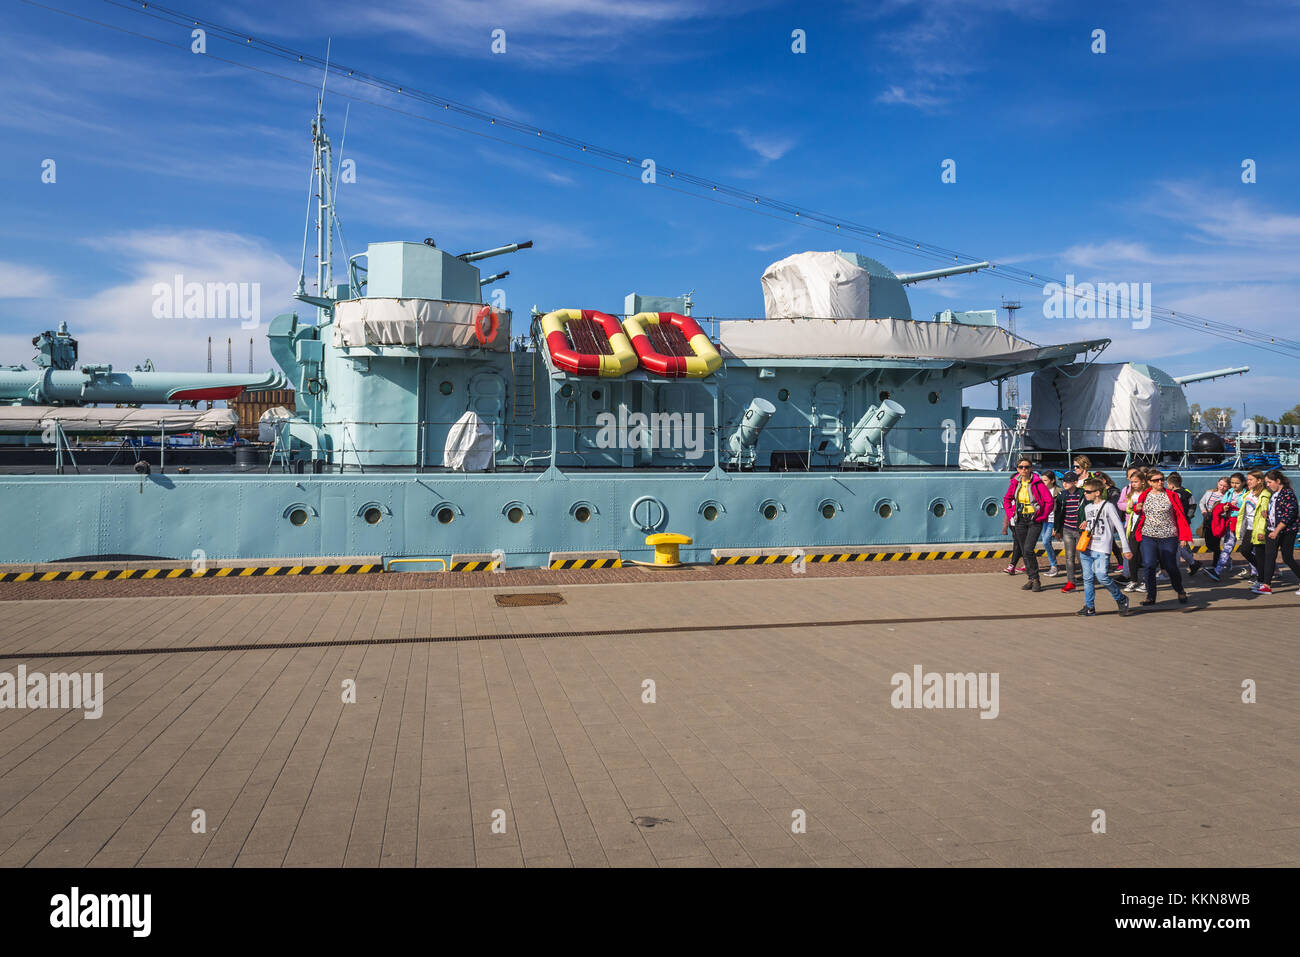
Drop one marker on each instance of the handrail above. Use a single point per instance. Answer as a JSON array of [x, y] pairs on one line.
[[390, 562]]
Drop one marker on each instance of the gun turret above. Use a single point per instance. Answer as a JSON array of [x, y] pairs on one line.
[[907, 278]]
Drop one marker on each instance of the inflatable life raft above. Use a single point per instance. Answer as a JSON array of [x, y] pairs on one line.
[[671, 345], [587, 342]]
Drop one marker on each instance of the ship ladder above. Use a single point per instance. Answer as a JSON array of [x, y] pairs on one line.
[[523, 399]]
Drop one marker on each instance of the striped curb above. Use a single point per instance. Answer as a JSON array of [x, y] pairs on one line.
[[123, 574]]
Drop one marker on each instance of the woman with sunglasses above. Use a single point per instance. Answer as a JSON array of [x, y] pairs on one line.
[[1161, 526], [1026, 506]]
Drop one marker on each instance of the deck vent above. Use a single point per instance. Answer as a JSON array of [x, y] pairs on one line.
[[529, 599]]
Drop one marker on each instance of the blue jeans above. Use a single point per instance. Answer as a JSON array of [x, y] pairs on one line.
[[1228, 543], [1094, 566], [1045, 540]]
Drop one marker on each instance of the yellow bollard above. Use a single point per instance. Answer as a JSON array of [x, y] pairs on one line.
[[666, 545]]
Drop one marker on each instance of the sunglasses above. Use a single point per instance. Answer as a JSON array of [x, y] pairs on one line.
[[1019, 467]]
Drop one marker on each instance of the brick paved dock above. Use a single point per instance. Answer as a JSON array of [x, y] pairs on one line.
[[772, 696]]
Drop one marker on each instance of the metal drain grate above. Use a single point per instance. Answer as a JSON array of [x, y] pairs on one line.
[[525, 599]]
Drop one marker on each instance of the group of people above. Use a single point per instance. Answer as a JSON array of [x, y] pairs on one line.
[[1147, 527]]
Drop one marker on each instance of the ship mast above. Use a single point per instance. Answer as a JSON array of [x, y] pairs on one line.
[[322, 183]]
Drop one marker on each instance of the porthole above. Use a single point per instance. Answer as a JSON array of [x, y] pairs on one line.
[[783, 395], [595, 395], [710, 509], [991, 508], [939, 508], [769, 511], [828, 510], [445, 387], [934, 398], [298, 516], [886, 508], [373, 516], [566, 391], [515, 512], [446, 516], [582, 513]]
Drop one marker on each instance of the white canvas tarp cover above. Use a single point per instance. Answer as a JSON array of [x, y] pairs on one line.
[[469, 444], [816, 284], [414, 322], [1104, 406], [88, 421], [268, 426], [882, 338], [986, 445]]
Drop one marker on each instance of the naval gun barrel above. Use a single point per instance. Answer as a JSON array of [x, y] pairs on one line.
[[491, 279], [498, 251], [1216, 374], [910, 277], [101, 384]]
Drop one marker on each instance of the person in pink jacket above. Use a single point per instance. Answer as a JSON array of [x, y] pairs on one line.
[[1026, 506]]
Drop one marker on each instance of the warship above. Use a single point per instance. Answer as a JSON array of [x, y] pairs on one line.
[[432, 425]]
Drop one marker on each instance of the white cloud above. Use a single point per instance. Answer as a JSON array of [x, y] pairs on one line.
[[24, 282], [934, 44], [116, 324], [769, 146], [913, 97], [553, 32]]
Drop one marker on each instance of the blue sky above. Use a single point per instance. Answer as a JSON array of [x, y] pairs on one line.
[[1118, 167]]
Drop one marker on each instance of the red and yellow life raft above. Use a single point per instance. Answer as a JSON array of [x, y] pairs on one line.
[[587, 342], [671, 345]]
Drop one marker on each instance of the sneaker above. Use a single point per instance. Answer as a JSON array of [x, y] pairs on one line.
[[1244, 573], [1262, 590], [1148, 601], [1021, 568], [1131, 587], [1212, 574], [1068, 586], [1123, 607], [1051, 572], [1192, 569], [1161, 576], [1182, 598], [1011, 569], [1087, 611]]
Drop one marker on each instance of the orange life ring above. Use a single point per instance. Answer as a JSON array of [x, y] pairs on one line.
[[493, 324]]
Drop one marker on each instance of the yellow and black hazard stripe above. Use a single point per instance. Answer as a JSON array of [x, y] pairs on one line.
[[820, 557], [123, 574], [561, 563], [480, 565]]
